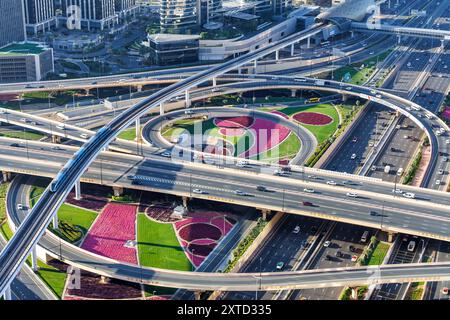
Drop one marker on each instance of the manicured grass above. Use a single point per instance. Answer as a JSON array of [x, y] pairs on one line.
[[22, 135], [416, 290], [53, 278], [6, 231], [289, 147], [158, 245], [3, 189], [76, 218], [129, 134], [35, 194], [158, 291], [378, 254], [320, 132]]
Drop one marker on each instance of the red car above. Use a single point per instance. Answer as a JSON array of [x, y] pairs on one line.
[[307, 203]]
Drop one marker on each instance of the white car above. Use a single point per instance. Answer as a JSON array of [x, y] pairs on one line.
[[20, 206], [331, 182], [61, 126], [166, 154], [326, 244], [84, 135], [447, 141], [409, 195], [352, 194], [353, 157], [398, 191], [308, 190], [441, 171], [438, 182], [240, 193], [296, 229], [197, 191]]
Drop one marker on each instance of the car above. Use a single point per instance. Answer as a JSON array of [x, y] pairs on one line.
[[240, 165], [61, 126], [198, 191], [166, 154], [261, 188], [444, 159], [354, 258], [20, 206], [378, 96], [351, 248], [84, 135], [131, 177], [339, 254], [280, 265], [240, 193], [331, 182], [373, 213], [23, 120], [329, 257], [327, 243], [355, 139], [15, 145], [411, 246], [442, 130], [311, 176], [438, 182], [447, 141], [348, 88], [308, 190], [277, 172], [352, 194], [296, 229], [353, 156], [409, 195], [444, 290], [441, 171], [397, 190], [307, 203], [374, 168]]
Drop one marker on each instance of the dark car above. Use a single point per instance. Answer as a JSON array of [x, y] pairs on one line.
[[14, 145], [261, 188], [339, 254], [307, 203], [373, 213], [352, 248]]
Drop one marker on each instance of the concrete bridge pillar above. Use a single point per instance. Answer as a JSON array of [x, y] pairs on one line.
[[6, 176], [118, 191], [293, 93], [442, 43], [197, 295], [138, 129], [391, 237], [161, 109], [352, 34], [56, 139], [214, 82], [292, 50], [34, 264], [86, 91], [78, 190], [344, 97], [255, 65], [308, 42], [399, 39], [185, 201], [264, 213], [277, 55], [354, 294], [239, 70], [55, 221], [187, 99], [139, 88], [104, 280], [7, 294]]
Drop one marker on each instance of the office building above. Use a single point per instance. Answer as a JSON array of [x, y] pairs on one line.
[[89, 14], [170, 49], [12, 22], [39, 15]]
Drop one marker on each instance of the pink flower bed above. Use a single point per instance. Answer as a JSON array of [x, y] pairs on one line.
[[313, 118], [268, 135], [231, 132], [112, 229], [200, 232], [446, 113], [281, 114], [234, 122]]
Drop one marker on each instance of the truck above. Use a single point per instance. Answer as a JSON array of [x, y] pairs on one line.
[[320, 82], [387, 169]]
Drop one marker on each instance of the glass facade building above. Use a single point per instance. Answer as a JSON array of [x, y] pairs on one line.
[[179, 16], [12, 22]]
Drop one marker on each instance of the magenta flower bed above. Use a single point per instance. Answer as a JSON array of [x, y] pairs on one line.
[[234, 122], [200, 232], [267, 135], [107, 237], [313, 118], [446, 113], [90, 202], [281, 114], [231, 132]]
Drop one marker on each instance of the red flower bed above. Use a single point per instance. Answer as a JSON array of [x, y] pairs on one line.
[[233, 122], [201, 250], [199, 231], [313, 118]]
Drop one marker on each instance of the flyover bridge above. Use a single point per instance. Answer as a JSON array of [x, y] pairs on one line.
[[443, 35]]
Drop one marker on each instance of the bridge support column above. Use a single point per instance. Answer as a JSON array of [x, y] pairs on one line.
[[138, 129], [6, 176], [56, 139], [55, 221], [442, 43], [293, 93], [277, 55], [185, 201], [239, 70], [139, 88], [352, 34], [104, 280], [354, 294], [34, 264], [308, 42], [118, 191], [399, 39], [7, 294], [77, 190], [214, 82], [161, 109], [292, 50], [87, 91], [264, 213], [344, 97], [391, 236], [255, 65], [197, 295], [187, 99]]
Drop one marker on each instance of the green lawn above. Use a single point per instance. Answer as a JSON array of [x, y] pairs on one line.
[[27, 135], [320, 132], [288, 148], [158, 245], [3, 190], [52, 277], [378, 254], [129, 134]]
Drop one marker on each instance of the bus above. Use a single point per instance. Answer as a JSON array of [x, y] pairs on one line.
[[364, 236], [312, 100]]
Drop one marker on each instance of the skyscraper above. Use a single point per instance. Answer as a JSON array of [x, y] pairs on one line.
[[39, 15], [12, 22], [179, 16], [99, 14]]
